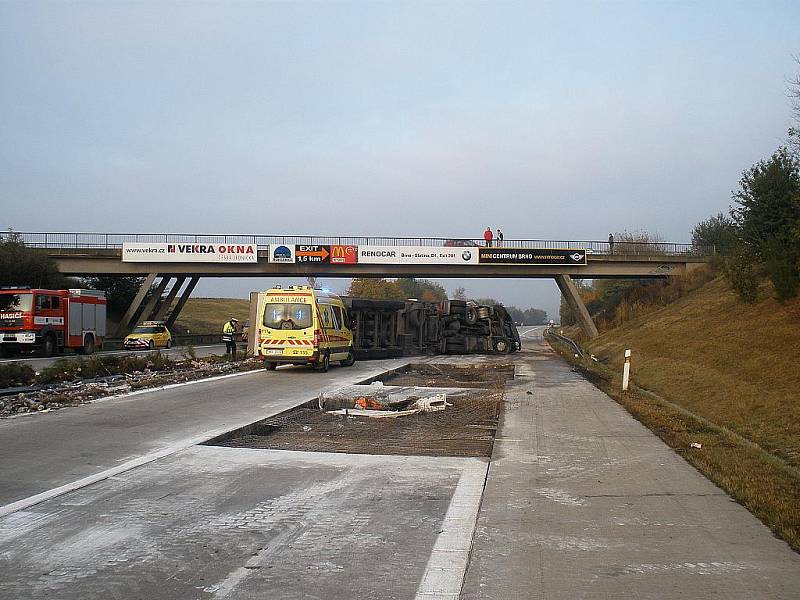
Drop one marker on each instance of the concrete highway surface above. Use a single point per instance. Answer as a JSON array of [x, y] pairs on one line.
[[116, 499], [37, 363]]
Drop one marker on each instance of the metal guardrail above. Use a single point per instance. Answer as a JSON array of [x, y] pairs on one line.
[[566, 340], [77, 240]]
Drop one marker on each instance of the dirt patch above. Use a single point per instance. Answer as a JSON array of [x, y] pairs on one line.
[[465, 429], [491, 376]]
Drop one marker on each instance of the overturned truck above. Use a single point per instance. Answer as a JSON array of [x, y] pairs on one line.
[[392, 328]]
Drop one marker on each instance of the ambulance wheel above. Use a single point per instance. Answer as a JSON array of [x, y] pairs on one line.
[[48, 345], [324, 363], [270, 366], [151, 345], [350, 360]]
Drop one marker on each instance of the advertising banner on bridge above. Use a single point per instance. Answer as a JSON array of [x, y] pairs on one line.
[[313, 253], [417, 255], [532, 256], [183, 252]]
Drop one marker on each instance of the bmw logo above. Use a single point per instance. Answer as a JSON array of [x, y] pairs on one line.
[[466, 255]]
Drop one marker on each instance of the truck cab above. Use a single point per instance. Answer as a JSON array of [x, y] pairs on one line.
[[302, 325], [49, 321]]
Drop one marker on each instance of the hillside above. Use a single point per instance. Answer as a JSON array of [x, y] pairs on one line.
[[734, 364], [207, 315], [710, 370]]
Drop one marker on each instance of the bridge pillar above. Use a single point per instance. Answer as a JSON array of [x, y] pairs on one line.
[[164, 306], [135, 304], [184, 297], [570, 292], [151, 304]]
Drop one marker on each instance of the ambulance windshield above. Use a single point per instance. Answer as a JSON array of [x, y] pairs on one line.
[[287, 316]]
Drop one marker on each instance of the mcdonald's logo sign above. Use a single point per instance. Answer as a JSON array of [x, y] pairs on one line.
[[344, 255]]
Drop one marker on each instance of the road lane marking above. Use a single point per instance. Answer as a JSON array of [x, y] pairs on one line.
[[447, 565]]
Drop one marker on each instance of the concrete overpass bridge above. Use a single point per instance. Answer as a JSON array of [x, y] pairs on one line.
[[181, 261]]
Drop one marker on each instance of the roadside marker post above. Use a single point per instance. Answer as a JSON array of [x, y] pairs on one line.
[[626, 370]]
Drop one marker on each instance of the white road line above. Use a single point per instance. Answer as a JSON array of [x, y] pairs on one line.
[[108, 473], [447, 565]]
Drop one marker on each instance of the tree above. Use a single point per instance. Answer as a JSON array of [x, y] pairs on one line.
[[767, 217], [459, 293], [24, 266], [375, 288], [120, 291], [718, 233], [422, 289]]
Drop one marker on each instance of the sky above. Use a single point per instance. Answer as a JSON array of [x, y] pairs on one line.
[[562, 120]]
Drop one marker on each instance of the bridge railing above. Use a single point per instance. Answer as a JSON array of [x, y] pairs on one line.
[[90, 240]]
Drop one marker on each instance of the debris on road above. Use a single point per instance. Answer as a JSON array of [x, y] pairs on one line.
[[697, 445]]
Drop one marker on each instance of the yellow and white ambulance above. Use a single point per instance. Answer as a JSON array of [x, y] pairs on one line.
[[302, 325]]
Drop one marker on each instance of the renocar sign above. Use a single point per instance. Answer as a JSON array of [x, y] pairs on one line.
[[205, 253], [419, 255]]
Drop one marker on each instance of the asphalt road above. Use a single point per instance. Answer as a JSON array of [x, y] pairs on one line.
[[579, 501], [178, 351]]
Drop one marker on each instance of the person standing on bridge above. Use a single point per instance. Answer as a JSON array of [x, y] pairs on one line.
[[487, 236], [611, 243], [228, 336], [499, 237]]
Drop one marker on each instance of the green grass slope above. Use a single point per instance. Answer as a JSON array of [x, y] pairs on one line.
[[208, 315], [734, 364]]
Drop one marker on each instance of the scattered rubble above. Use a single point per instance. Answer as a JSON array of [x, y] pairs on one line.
[[74, 391]]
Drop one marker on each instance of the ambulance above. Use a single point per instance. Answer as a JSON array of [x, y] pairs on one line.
[[301, 325]]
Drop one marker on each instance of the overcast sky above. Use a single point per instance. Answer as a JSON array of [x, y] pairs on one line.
[[550, 120]]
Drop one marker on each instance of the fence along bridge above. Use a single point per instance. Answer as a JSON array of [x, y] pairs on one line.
[[87, 254]]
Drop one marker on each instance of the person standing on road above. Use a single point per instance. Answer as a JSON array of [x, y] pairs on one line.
[[611, 243], [228, 336], [499, 237], [487, 236]]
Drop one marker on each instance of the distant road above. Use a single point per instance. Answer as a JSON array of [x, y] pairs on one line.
[[177, 351]]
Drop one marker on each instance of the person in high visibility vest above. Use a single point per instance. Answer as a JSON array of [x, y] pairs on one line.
[[228, 334]]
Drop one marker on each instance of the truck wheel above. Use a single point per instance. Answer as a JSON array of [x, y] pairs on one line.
[[472, 315], [88, 345], [502, 346], [350, 360], [48, 346]]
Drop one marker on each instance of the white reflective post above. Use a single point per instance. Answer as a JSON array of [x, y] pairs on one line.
[[626, 370]]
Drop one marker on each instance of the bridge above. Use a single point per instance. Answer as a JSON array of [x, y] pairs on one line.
[[179, 259]]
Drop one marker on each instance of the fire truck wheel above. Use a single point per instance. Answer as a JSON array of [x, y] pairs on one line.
[[6, 352], [48, 345], [88, 345]]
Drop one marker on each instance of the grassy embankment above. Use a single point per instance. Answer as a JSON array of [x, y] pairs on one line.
[[724, 374], [208, 315]]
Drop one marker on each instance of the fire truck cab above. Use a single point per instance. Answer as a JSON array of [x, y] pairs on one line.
[[51, 320]]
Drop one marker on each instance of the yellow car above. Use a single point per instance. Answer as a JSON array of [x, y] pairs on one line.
[[149, 336]]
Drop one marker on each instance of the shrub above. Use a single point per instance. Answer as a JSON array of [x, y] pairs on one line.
[[15, 375], [781, 263], [741, 273]]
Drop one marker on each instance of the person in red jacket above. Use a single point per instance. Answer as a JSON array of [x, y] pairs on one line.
[[488, 236]]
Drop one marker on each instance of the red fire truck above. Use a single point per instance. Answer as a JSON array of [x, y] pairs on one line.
[[51, 320]]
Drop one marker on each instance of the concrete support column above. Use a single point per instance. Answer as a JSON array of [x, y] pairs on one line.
[[184, 297], [124, 323], [570, 292], [252, 330], [164, 306], [151, 304]]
